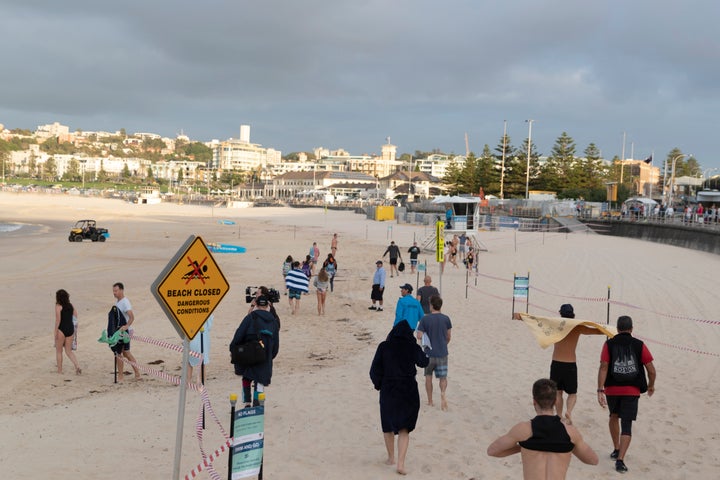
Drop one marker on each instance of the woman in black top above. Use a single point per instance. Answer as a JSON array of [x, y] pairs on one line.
[[64, 330]]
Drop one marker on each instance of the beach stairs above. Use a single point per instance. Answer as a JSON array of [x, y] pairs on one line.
[[572, 225], [428, 242]]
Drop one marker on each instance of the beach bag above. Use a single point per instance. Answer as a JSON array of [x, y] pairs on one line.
[[250, 353], [625, 366], [401, 267]]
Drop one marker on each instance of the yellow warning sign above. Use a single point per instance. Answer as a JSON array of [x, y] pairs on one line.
[[440, 241], [190, 287]]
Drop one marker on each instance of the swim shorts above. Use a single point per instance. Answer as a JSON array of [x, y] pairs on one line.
[[439, 365], [565, 375], [295, 293]]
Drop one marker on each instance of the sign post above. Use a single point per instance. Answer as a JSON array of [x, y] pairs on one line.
[[188, 290], [521, 289]]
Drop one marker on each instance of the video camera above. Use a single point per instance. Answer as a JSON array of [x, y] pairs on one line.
[[273, 295]]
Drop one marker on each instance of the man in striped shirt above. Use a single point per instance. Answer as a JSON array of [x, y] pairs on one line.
[[296, 282]]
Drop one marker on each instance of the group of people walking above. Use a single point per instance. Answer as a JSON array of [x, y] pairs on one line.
[[297, 276], [419, 338], [547, 441]]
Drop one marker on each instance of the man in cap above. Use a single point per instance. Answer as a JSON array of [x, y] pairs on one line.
[[408, 308], [378, 287], [563, 369]]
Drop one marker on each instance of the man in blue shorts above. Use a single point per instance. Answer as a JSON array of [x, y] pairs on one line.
[[437, 327]]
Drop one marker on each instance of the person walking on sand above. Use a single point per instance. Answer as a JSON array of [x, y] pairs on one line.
[[314, 254], [392, 373], [563, 367], [124, 306], [286, 267], [621, 380], [259, 323], [408, 308], [425, 292], [414, 251], [436, 328], [378, 287], [394, 252], [321, 283], [334, 244], [297, 283], [64, 330], [545, 443], [330, 266]]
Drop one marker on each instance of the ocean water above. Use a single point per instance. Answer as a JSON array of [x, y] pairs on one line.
[[10, 227]]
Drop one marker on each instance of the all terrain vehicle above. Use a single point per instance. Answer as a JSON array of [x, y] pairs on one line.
[[87, 230]]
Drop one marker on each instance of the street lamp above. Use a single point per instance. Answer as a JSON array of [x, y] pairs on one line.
[[672, 177], [527, 171]]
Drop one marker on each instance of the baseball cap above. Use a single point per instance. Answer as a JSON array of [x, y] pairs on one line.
[[261, 301], [379, 262], [567, 311], [407, 287]]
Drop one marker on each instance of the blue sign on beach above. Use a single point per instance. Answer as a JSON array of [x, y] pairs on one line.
[[248, 442], [521, 286]]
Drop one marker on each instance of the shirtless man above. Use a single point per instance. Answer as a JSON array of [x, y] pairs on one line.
[[544, 443], [563, 368], [334, 244]]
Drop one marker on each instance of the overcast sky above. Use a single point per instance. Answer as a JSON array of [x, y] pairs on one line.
[[349, 74]]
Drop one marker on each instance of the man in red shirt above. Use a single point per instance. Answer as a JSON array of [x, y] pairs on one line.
[[621, 380]]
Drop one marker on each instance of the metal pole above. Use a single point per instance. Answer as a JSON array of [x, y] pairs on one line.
[[202, 370], [181, 409], [233, 401], [502, 166], [527, 302], [527, 171], [607, 318]]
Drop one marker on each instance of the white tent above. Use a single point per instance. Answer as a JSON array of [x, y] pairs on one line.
[[648, 202]]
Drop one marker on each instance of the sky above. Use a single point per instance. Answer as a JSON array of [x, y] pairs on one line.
[[349, 74]]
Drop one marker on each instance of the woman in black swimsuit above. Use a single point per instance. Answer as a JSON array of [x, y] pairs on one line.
[[64, 329]]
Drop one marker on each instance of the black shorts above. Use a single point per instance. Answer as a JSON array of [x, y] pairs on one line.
[[393, 261], [624, 406], [565, 375], [377, 292]]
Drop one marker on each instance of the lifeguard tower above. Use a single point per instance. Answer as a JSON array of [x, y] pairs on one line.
[[464, 216]]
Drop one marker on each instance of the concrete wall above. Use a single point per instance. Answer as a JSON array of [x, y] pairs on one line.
[[703, 239]]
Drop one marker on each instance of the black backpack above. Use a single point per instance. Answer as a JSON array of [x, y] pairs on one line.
[[625, 366]]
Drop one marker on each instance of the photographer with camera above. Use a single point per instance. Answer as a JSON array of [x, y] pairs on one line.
[[271, 294], [258, 324]]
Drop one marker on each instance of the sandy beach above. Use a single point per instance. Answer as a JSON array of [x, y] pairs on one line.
[[322, 415]]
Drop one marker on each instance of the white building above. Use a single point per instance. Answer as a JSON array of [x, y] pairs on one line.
[[241, 155], [436, 164]]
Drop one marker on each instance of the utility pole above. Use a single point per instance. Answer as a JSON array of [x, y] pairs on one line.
[[502, 166], [527, 171]]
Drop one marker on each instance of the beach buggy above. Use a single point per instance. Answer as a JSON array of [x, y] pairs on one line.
[[86, 229]]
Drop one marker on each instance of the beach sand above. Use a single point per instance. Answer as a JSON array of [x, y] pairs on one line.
[[322, 415]]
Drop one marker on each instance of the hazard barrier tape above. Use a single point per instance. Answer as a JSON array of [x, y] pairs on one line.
[[678, 347], [207, 462], [160, 343], [199, 432], [539, 307]]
